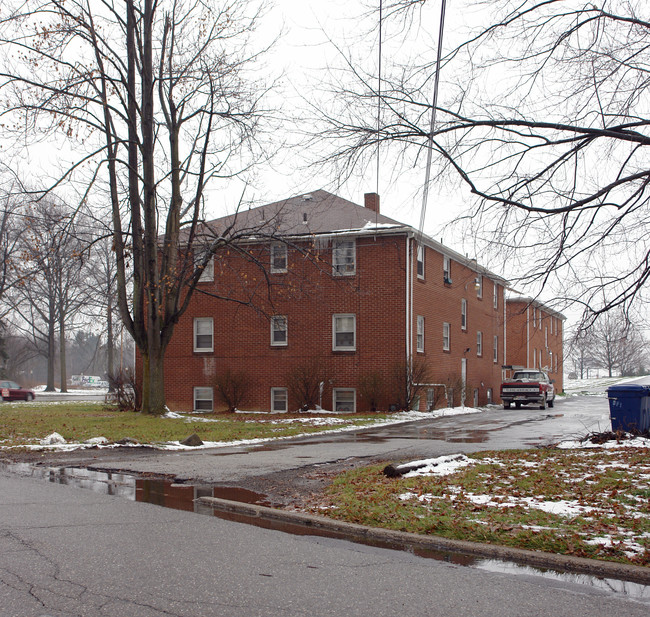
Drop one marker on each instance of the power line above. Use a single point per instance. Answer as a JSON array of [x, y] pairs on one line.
[[427, 177]]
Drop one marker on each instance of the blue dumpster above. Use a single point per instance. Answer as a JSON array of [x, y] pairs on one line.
[[629, 408]]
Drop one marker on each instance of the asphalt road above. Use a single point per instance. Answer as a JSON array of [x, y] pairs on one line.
[[67, 552]]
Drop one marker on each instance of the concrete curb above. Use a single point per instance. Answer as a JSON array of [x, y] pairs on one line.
[[410, 541]]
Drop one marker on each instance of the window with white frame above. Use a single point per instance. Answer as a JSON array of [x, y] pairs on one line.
[[344, 332], [207, 276], [534, 357], [495, 353], [279, 400], [495, 296], [550, 361], [344, 399], [278, 257], [489, 396], [479, 343], [446, 342], [546, 337], [446, 269], [463, 314], [420, 261], [420, 333], [203, 399], [479, 286], [344, 257], [279, 331], [540, 359], [203, 337]]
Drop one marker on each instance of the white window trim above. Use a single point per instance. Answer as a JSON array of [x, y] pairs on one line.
[[275, 246], [495, 299], [446, 336], [446, 269], [420, 334], [344, 269], [419, 259], [352, 347], [495, 353], [195, 398], [198, 320], [207, 276], [479, 343], [463, 314], [479, 285], [335, 391], [285, 393], [275, 320]]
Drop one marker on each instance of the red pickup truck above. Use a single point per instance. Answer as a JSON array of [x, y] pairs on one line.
[[528, 386]]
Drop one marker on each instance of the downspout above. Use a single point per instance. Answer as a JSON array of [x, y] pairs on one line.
[[528, 336], [409, 296], [505, 330]]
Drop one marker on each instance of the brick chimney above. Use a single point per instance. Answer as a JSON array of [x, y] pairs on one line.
[[371, 201]]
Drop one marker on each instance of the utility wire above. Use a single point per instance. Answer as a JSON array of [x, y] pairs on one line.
[[381, 21], [427, 177]]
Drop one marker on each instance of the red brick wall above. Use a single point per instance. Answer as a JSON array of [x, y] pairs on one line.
[[531, 329], [440, 302], [308, 295]]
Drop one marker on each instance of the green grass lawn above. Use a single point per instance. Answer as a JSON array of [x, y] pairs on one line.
[[592, 503], [25, 423]]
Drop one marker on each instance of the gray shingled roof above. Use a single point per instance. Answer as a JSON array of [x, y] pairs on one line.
[[318, 212]]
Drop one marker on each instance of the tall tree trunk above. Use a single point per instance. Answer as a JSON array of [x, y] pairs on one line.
[[62, 368], [51, 355], [110, 348], [153, 383]]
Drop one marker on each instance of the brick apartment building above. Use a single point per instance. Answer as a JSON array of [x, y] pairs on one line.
[[534, 337], [351, 294]]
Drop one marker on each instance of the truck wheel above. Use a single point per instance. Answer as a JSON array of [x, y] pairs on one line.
[[518, 405], [506, 405], [543, 404], [551, 402]]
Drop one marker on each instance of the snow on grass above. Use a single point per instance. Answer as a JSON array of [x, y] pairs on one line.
[[319, 418], [594, 386]]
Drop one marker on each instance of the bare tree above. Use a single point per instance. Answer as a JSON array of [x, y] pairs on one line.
[[617, 344], [580, 350], [542, 119], [160, 100], [51, 290]]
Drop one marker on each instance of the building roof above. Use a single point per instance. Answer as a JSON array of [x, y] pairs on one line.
[[528, 301], [322, 213], [318, 212]]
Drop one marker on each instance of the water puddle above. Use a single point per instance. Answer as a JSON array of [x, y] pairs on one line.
[[180, 495]]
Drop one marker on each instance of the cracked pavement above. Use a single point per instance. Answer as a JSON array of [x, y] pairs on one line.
[[69, 552]]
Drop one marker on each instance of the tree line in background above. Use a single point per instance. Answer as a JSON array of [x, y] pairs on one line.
[[57, 292], [613, 344]]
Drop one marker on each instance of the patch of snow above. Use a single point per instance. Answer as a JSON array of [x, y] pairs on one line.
[[96, 441], [53, 439], [440, 466]]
